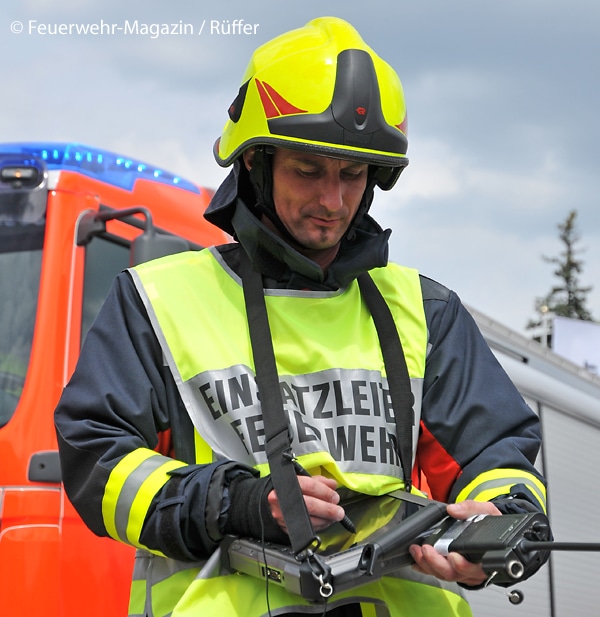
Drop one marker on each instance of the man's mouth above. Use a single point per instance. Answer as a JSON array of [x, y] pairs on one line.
[[325, 222]]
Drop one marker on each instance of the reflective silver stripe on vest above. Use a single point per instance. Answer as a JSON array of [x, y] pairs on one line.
[[344, 412]]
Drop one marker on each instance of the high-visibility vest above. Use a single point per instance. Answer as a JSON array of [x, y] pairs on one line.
[[335, 392]]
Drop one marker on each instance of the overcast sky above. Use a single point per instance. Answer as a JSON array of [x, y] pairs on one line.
[[503, 103]]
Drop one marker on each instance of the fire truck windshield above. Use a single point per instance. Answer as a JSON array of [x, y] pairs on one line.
[[20, 267]]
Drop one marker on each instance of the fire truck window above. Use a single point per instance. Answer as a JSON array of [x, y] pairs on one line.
[[20, 267], [103, 261]]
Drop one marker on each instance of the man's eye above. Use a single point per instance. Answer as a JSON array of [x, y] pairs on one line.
[[308, 173], [352, 175]]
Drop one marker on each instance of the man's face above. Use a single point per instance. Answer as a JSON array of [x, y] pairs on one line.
[[316, 197]]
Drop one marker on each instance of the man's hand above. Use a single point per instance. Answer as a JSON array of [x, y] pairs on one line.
[[454, 567], [321, 501]]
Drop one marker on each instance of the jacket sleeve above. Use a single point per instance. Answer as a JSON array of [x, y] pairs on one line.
[[111, 419], [478, 437]]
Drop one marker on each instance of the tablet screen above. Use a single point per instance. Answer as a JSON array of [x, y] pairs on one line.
[[373, 517]]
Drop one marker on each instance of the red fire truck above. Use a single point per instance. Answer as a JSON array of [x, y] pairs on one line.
[[71, 217]]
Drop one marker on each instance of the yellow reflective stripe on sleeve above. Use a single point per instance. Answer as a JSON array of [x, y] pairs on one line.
[[499, 482], [130, 488], [113, 487], [148, 489]]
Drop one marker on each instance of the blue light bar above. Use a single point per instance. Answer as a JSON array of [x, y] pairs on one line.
[[99, 164]]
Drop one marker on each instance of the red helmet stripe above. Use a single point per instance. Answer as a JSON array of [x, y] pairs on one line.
[[273, 103], [270, 110], [403, 126], [285, 107]]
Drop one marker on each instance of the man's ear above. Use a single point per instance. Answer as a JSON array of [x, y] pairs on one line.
[[248, 156]]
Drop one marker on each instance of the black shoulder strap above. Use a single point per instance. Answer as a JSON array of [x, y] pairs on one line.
[[396, 370], [277, 430], [278, 438]]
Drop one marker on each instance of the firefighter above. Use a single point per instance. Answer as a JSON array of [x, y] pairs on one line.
[[160, 428]]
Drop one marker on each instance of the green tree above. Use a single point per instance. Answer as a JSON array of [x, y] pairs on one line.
[[567, 298]]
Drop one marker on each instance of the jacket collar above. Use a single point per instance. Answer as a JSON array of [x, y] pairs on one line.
[[277, 260]]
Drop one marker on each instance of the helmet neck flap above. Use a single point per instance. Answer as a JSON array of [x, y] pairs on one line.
[[277, 258]]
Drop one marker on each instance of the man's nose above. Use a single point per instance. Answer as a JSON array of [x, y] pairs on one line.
[[332, 193]]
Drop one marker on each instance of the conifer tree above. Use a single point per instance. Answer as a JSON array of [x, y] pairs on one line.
[[567, 298]]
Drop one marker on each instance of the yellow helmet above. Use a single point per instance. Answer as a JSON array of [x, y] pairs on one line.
[[320, 88]]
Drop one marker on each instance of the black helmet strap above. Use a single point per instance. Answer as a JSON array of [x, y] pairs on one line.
[[261, 178]]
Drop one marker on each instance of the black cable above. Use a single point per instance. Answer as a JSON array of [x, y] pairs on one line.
[[264, 555], [262, 543], [532, 545]]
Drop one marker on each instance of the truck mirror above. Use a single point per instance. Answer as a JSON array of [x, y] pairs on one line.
[[151, 245]]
